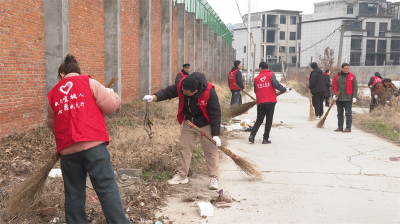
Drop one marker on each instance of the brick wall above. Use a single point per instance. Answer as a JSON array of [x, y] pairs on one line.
[[22, 66], [156, 17], [86, 33], [174, 69], [129, 50]]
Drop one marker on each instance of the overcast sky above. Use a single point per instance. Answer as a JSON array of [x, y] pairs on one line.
[[228, 11]]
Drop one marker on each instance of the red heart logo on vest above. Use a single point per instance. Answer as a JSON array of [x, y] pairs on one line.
[[263, 79], [66, 88]]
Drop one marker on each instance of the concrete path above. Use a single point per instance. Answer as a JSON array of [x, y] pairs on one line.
[[312, 175]]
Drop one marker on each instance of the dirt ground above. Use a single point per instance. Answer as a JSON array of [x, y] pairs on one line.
[[130, 147]]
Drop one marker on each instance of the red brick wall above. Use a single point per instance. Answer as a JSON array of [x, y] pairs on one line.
[[22, 66], [186, 37], [86, 36], [129, 49], [156, 17], [174, 69]]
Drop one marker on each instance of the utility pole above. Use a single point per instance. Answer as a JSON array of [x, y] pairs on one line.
[[254, 59], [248, 42], [340, 44]]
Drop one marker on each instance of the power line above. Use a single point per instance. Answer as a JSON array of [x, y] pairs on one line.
[[241, 15]]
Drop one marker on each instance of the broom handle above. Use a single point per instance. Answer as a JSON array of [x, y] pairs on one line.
[[112, 82], [245, 92], [280, 93], [201, 132]]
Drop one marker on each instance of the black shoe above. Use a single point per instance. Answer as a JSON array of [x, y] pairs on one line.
[[266, 141], [251, 138]]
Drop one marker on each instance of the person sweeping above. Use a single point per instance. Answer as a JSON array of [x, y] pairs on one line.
[[265, 86], [198, 103], [75, 115]]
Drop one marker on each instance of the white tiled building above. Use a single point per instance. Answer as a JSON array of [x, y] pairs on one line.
[[276, 35], [374, 41]]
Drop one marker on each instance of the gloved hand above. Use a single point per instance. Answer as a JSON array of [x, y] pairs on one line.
[[354, 100], [217, 141], [110, 90], [334, 97], [376, 97], [287, 90], [148, 98]]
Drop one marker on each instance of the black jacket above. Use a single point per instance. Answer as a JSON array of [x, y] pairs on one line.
[[317, 81], [179, 76], [191, 107], [328, 86], [239, 81], [371, 80]]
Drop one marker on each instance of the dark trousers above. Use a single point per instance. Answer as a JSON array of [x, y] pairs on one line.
[[327, 101], [96, 162], [267, 111], [236, 97], [318, 103], [346, 106]]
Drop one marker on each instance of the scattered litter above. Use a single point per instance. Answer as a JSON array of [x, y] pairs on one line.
[[396, 159], [205, 209], [158, 222], [128, 209], [55, 173], [93, 198], [55, 220], [141, 203]]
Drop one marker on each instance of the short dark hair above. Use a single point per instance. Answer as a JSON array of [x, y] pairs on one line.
[[345, 64], [70, 65], [263, 65], [190, 83], [314, 65], [326, 71], [236, 63]]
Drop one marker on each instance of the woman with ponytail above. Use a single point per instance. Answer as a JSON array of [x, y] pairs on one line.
[[75, 115]]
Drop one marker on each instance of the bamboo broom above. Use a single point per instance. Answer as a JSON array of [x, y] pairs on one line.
[[311, 116], [239, 109], [244, 165], [30, 189], [321, 123]]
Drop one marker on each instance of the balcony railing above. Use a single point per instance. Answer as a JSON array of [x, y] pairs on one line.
[[272, 25]]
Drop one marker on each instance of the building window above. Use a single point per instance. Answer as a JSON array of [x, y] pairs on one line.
[[283, 19], [355, 59], [263, 31], [370, 29], [371, 45], [292, 35], [350, 8], [368, 9], [244, 49], [395, 45], [292, 49], [293, 20], [355, 44], [282, 49], [270, 36], [381, 45], [282, 35], [299, 29], [395, 25], [382, 29], [263, 20], [294, 60]]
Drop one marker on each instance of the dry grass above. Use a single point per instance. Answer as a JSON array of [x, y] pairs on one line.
[[383, 121]]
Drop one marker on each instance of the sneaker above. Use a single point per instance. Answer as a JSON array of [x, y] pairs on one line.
[[251, 138], [213, 184], [317, 118], [178, 180]]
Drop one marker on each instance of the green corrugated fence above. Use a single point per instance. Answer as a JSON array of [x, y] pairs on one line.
[[205, 12]]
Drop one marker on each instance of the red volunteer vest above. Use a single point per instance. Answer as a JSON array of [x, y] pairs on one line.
[[265, 92], [232, 79], [376, 79], [203, 100], [183, 75], [380, 86], [77, 116], [349, 83]]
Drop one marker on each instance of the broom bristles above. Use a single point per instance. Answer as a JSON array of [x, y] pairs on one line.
[[30, 188], [239, 109], [311, 116], [321, 123], [246, 166]]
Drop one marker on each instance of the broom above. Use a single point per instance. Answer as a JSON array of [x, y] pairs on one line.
[[238, 109], [247, 167], [311, 116], [322, 121], [27, 192]]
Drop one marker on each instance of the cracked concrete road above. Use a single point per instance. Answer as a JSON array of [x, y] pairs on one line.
[[312, 175]]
